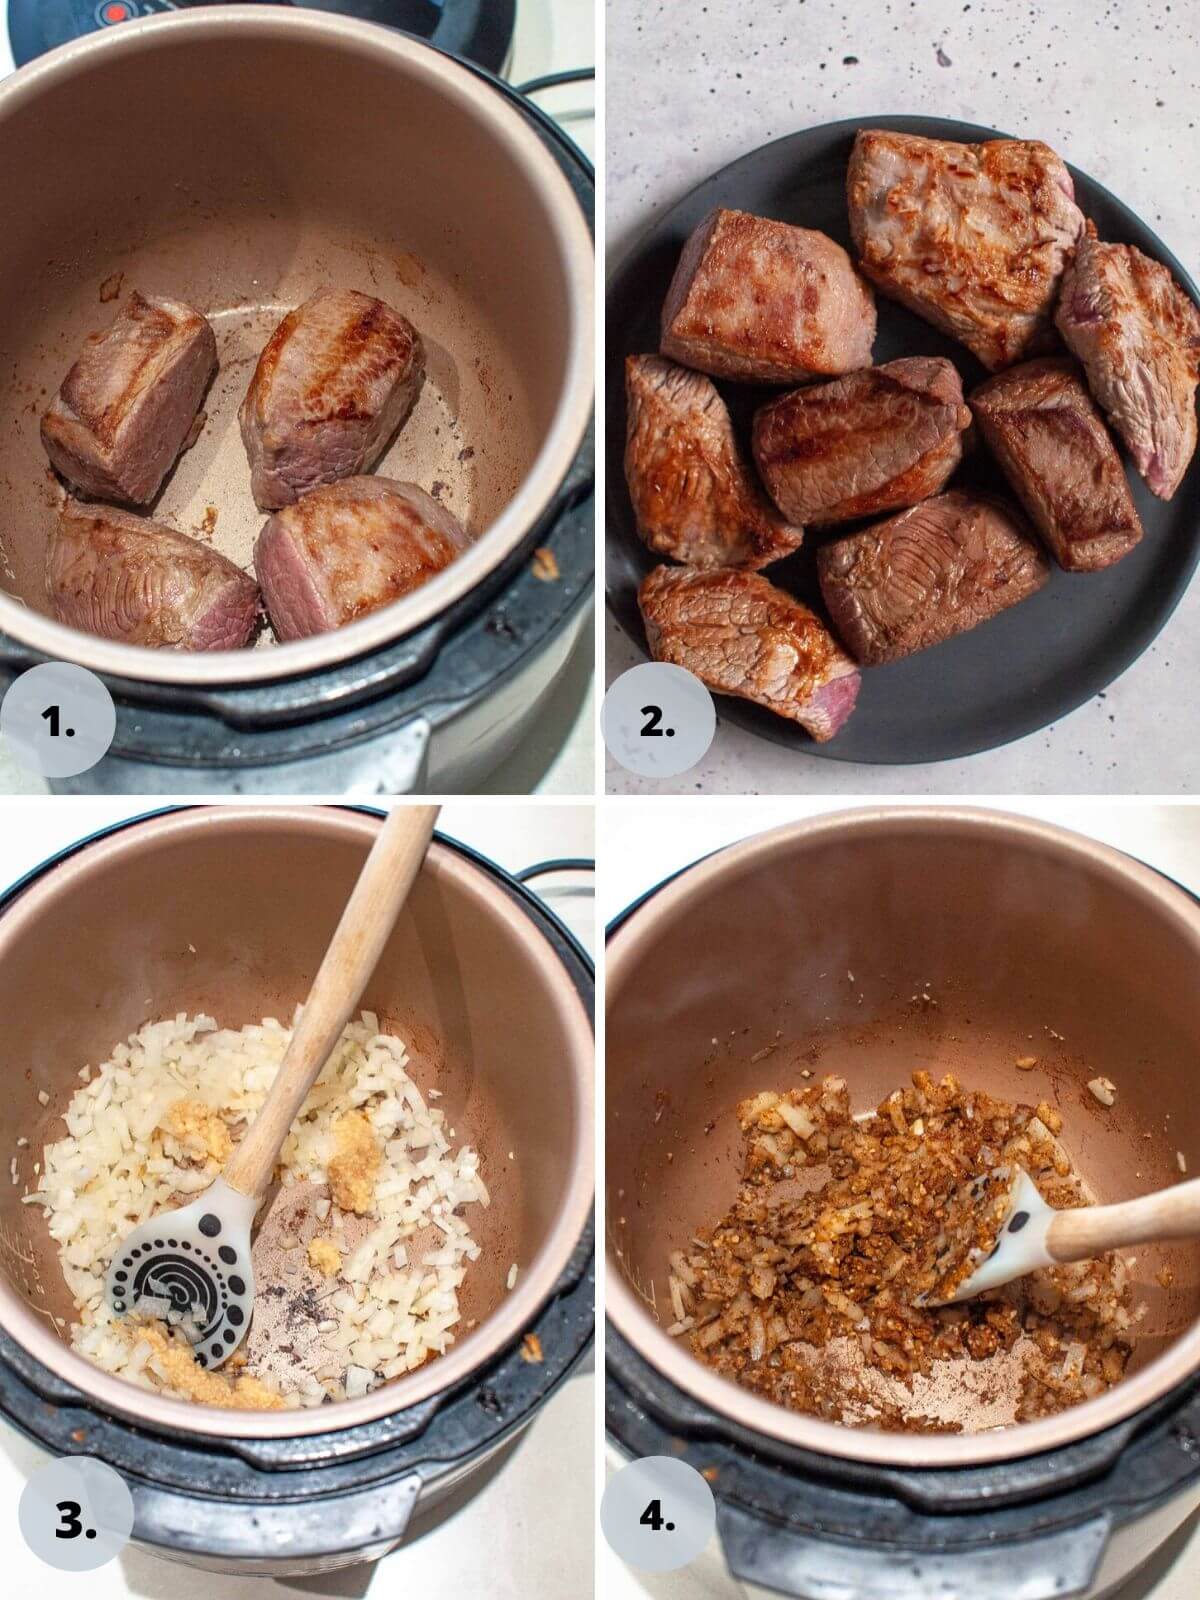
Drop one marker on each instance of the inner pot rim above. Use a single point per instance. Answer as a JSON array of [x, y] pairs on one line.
[[537, 1279], [497, 122], [678, 1365]]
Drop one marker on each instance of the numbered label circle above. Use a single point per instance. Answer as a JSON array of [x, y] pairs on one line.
[[58, 720], [658, 1513], [658, 720], [76, 1514]]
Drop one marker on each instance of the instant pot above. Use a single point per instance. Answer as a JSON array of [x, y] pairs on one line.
[[474, 213], [477, 963], [964, 933]]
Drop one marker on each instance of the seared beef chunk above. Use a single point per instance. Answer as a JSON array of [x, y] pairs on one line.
[[127, 578], [129, 404], [693, 495], [1138, 336], [1044, 429], [762, 300], [872, 441], [337, 378], [741, 635], [927, 574], [348, 548], [974, 237]]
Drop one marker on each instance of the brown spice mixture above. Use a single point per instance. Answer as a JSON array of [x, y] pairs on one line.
[[805, 1291]]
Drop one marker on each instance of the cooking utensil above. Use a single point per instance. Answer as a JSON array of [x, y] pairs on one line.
[[1033, 1234], [1006, 678], [198, 1257]]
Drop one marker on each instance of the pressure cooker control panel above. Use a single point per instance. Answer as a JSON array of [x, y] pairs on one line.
[[478, 29]]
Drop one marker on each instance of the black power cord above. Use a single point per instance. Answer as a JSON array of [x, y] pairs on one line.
[[552, 79], [561, 864]]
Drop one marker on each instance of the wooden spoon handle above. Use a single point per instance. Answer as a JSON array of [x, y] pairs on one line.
[[1170, 1214], [353, 952]]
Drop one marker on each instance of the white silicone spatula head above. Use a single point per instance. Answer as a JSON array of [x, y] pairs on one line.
[[1031, 1234], [191, 1267], [1023, 1216]]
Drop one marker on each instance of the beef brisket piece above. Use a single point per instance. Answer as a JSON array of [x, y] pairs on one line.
[[1138, 336], [741, 635], [1043, 427], [348, 548], [336, 379], [926, 574], [693, 495], [973, 237], [124, 577], [761, 300], [129, 404], [873, 441]]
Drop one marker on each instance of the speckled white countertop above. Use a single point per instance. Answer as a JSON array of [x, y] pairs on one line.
[[1115, 88]]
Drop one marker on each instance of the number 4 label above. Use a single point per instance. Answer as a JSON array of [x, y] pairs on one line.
[[652, 1517]]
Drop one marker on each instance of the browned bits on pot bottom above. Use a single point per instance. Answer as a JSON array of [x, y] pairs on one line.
[[804, 1291]]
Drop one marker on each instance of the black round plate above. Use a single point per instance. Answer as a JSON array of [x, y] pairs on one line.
[[1006, 678]]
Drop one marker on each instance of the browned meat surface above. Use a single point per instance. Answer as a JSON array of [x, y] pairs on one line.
[[129, 404], [762, 300], [872, 441], [743, 636], [348, 548], [337, 378], [973, 237], [693, 495], [1043, 427], [1138, 336], [927, 574], [125, 577]]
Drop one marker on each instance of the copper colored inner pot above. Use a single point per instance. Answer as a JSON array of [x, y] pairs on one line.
[[239, 158], [736, 976], [100, 945]]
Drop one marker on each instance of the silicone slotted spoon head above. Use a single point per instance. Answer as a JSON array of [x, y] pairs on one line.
[[1032, 1234], [196, 1261]]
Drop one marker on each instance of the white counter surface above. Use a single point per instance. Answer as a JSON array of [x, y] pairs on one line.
[[1114, 88]]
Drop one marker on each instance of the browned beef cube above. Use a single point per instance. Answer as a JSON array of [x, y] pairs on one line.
[[693, 495], [757, 299], [129, 404], [743, 636], [926, 574], [1138, 336], [124, 577], [872, 441], [1043, 427], [337, 378], [348, 548]]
